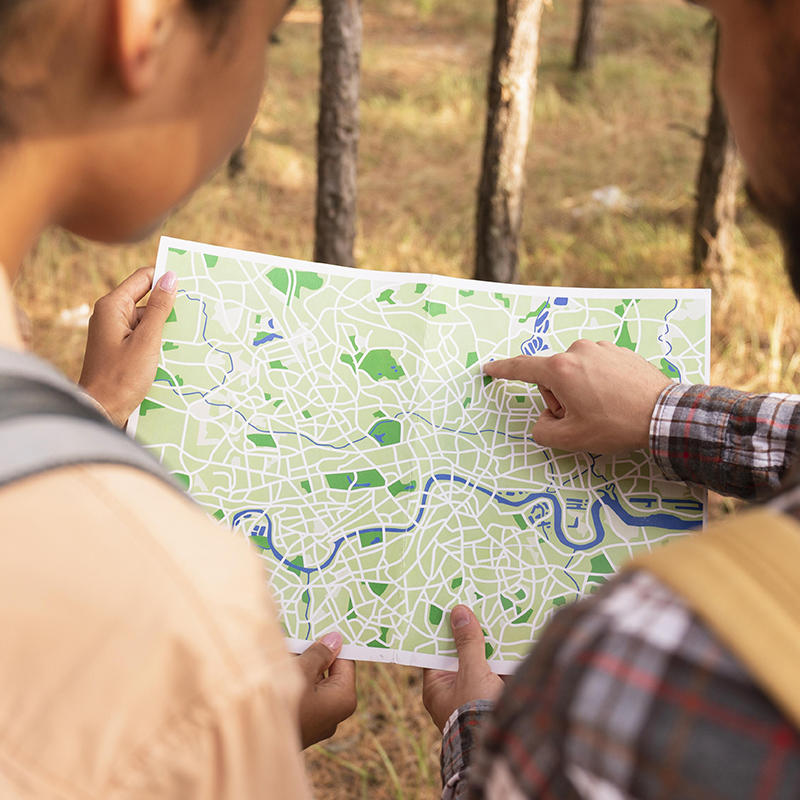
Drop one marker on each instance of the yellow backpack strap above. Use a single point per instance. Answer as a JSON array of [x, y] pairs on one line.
[[742, 578]]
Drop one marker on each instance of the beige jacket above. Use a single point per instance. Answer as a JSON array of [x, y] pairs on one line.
[[140, 655]]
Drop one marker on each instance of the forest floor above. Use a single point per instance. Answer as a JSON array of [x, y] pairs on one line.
[[634, 123]]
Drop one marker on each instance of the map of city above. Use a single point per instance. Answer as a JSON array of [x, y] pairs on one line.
[[340, 420]]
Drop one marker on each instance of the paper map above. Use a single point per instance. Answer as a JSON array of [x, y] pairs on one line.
[[340, 420]]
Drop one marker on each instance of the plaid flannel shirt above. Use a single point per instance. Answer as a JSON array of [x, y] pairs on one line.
[[628, 695]]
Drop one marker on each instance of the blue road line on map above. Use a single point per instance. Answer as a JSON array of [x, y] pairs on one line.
[[608, 497], [270, 337], [668, 343]]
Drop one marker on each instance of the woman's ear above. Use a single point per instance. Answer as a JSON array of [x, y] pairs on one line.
[[141, 29]]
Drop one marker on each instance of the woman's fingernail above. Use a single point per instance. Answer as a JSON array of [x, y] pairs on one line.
[[168, 281], [459, 617], [332, 640]]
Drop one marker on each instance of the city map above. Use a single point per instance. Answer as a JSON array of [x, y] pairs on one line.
[[340, 420]]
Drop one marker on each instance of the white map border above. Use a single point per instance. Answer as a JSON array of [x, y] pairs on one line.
[[359, 652]]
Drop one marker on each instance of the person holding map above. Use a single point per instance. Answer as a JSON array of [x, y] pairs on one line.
[[678, 678], [141, 655]]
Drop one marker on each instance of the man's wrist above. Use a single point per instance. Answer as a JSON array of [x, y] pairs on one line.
[[460, 738]]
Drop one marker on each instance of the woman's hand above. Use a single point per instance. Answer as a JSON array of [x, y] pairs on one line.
[[327, 700], [443, 692], [124, 343]]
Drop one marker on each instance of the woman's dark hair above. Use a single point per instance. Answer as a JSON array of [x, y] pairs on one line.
[[215, 12]]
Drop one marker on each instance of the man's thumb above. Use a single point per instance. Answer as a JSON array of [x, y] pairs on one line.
[[470, 642], [159, 305]]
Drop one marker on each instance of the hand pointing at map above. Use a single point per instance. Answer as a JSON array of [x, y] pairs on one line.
[[599, 397]]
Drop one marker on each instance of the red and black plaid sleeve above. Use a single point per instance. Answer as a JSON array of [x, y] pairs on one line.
[[732, 442]]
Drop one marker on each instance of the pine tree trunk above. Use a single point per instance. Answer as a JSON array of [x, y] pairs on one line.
[[338, 132], [589, 31], [717, 185], [512, 89]]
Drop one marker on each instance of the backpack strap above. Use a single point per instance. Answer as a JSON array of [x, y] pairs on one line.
[[45, 423], [742, 578]]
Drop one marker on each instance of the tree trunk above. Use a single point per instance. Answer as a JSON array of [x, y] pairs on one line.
[[717, 185], [512, 89], [338, 132], [589, 31]]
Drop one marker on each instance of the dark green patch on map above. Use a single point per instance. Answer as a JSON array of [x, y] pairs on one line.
[[182, 479], [277, 365], [307, 414], [560, 601], [364, 479], [624, 338], [378, 588], [467, 401], [176, 251], [534, 314], [472, 358], [167, 346], [173, 317], [670, 370], [386, 297], [435, 614], [379, 364], [368, 538], [219, 514], [402, 486], [456, 582], [163, 375], [503, 299], [307, 280], [520, 594], [211, 261], [487, 379], [506, 603], [346, 358], [489, 650], [387, 432], [520, 520], [466, 292], [520, 398], [306, 486], [279, 278], [523, 618], [262, 439], [602, 564], [421, 287], [434, 309], [148, 405], [296, 564], [261, 542], [351, 614]]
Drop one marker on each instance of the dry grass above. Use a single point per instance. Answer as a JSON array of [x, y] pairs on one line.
[[423, 108]]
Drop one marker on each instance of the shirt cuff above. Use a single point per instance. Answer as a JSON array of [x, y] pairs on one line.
[[663, 436], [460, 740]]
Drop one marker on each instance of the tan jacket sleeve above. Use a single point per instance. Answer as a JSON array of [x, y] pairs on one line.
[[140, 654]]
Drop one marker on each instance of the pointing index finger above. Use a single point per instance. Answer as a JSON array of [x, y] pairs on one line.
[[531, 369]]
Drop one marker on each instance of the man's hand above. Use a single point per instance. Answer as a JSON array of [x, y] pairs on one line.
[[125, 343], [326, 701], [442, 691], [599, 397]]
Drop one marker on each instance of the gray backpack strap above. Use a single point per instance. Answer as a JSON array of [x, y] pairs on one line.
[[46, 423]]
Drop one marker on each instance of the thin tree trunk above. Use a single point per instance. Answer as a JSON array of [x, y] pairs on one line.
[[338, 132], [589, 30], [512, 89], [717, 185]]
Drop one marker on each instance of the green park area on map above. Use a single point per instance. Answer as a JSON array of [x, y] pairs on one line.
[[340, 420]]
